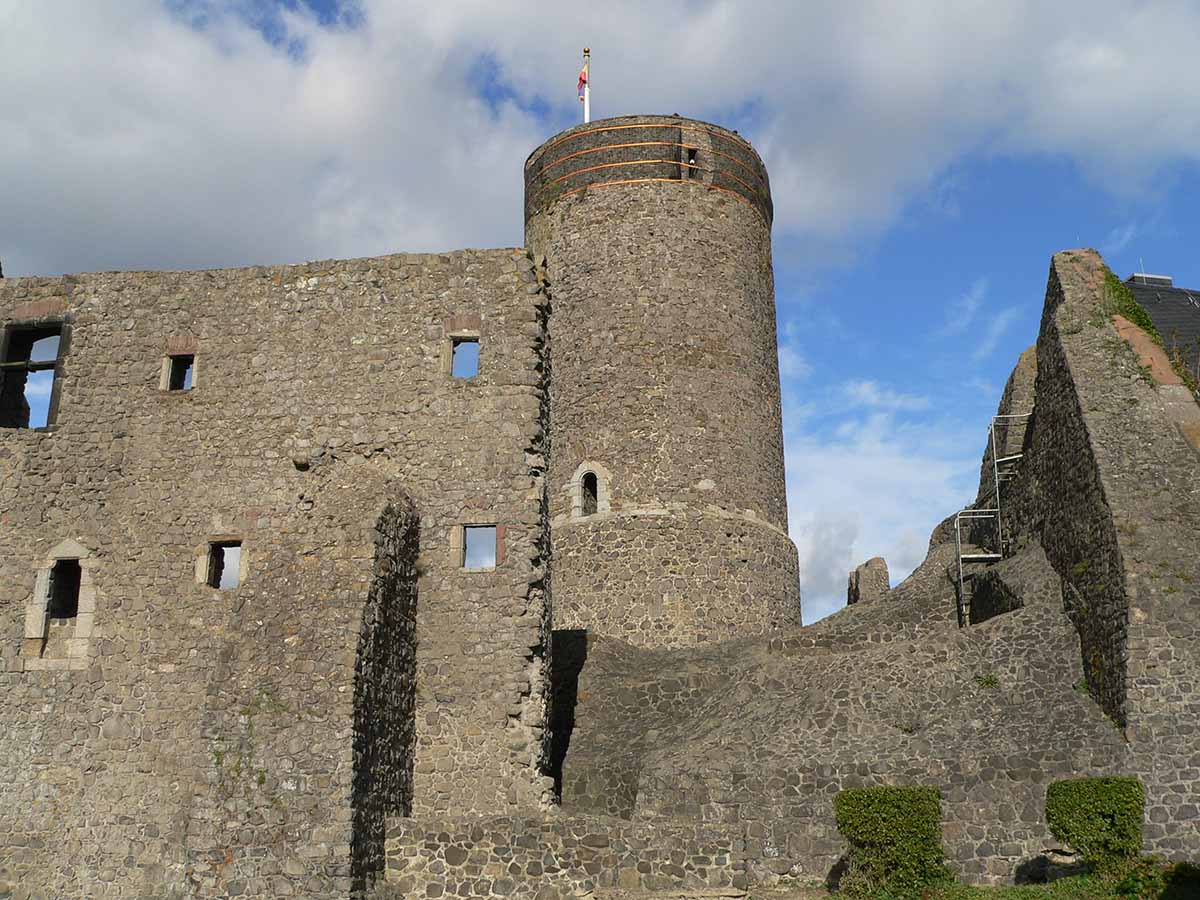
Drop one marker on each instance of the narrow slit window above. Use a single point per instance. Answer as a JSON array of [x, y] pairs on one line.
[[464, 360], [479, 547], [180, 376], [27, 373], [591, 493], [63, 602], [224, 564], [689, 171]]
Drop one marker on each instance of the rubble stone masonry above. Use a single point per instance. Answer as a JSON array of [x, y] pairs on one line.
[[205, 741], [656, 232], [535, 631], [1109, 488]]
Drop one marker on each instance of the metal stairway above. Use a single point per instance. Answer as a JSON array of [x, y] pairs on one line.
[[984, 524]]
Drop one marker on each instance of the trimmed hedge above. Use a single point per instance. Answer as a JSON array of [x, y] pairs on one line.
[[1100, 818], [895, 837]]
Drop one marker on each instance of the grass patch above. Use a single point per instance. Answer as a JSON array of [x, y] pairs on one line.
[[1078, 887], [1147, 878]]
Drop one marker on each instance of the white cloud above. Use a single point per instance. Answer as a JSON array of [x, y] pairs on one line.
[[141, 142], [982, 388], [39, 386], [995, 329], [875, 488], [132, 138], [962, 311], [869, 393], [1119, 238], [792, 364]]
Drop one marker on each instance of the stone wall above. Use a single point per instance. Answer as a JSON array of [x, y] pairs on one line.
[[613, 152], [1109, 489], [555, 857], [668, 579], [868, 582], [760, 734], [666, 383], [1024, 578], [1066, 507], [1012, 422], [203, 741]]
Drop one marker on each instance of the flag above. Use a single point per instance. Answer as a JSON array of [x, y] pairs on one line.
[[583, 79]]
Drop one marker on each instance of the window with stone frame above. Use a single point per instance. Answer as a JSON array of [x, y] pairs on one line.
[[224, 565], [464, 357], [28, 362], [63, 600], [589, 490], [479, 547], [60, 612], [180, 369]]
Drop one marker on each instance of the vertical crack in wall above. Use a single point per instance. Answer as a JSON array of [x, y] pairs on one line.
[[533, 720]]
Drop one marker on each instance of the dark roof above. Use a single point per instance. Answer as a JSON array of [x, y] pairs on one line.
[[1175, 312]]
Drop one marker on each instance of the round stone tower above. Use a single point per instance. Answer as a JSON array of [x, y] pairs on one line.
[[668, 505]]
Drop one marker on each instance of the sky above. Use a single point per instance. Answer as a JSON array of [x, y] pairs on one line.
[[926, 159]]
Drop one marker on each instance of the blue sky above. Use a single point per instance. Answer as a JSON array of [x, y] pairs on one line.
[[926, 159]]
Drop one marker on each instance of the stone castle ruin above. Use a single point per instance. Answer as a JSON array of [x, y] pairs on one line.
[[468, 574]]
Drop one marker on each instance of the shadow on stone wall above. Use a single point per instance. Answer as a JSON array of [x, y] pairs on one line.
[[385, 680], [570, 647]]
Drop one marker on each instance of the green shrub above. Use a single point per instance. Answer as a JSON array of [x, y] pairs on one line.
[[1126, 304], [895, 837], [1100, 818], [1150, 878]]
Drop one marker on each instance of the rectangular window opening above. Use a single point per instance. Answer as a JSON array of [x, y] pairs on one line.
[[464, 360], [64, 590], [180, 377], [27, 375], [689, 170], [224, 564], [479, 547]]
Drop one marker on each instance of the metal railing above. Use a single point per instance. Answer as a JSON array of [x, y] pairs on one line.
[[979, 548]]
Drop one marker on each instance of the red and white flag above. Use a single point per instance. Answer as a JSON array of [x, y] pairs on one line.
[[585, 85]]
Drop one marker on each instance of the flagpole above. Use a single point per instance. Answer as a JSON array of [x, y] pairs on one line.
[[587, 86]]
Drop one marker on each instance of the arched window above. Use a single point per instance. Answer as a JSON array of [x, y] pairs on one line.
[[591, 493], [589, 490]]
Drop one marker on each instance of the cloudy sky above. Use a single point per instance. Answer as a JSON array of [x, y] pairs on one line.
[[925, 158]]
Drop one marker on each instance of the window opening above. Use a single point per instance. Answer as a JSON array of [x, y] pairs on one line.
[[27, 369], [591, 495], [45, 349], [180, 378], [63, 602], [479, 547], [224, 564], [690, 172], [464, 361]]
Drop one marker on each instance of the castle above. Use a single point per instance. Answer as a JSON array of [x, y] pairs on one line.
[[468, 574]]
